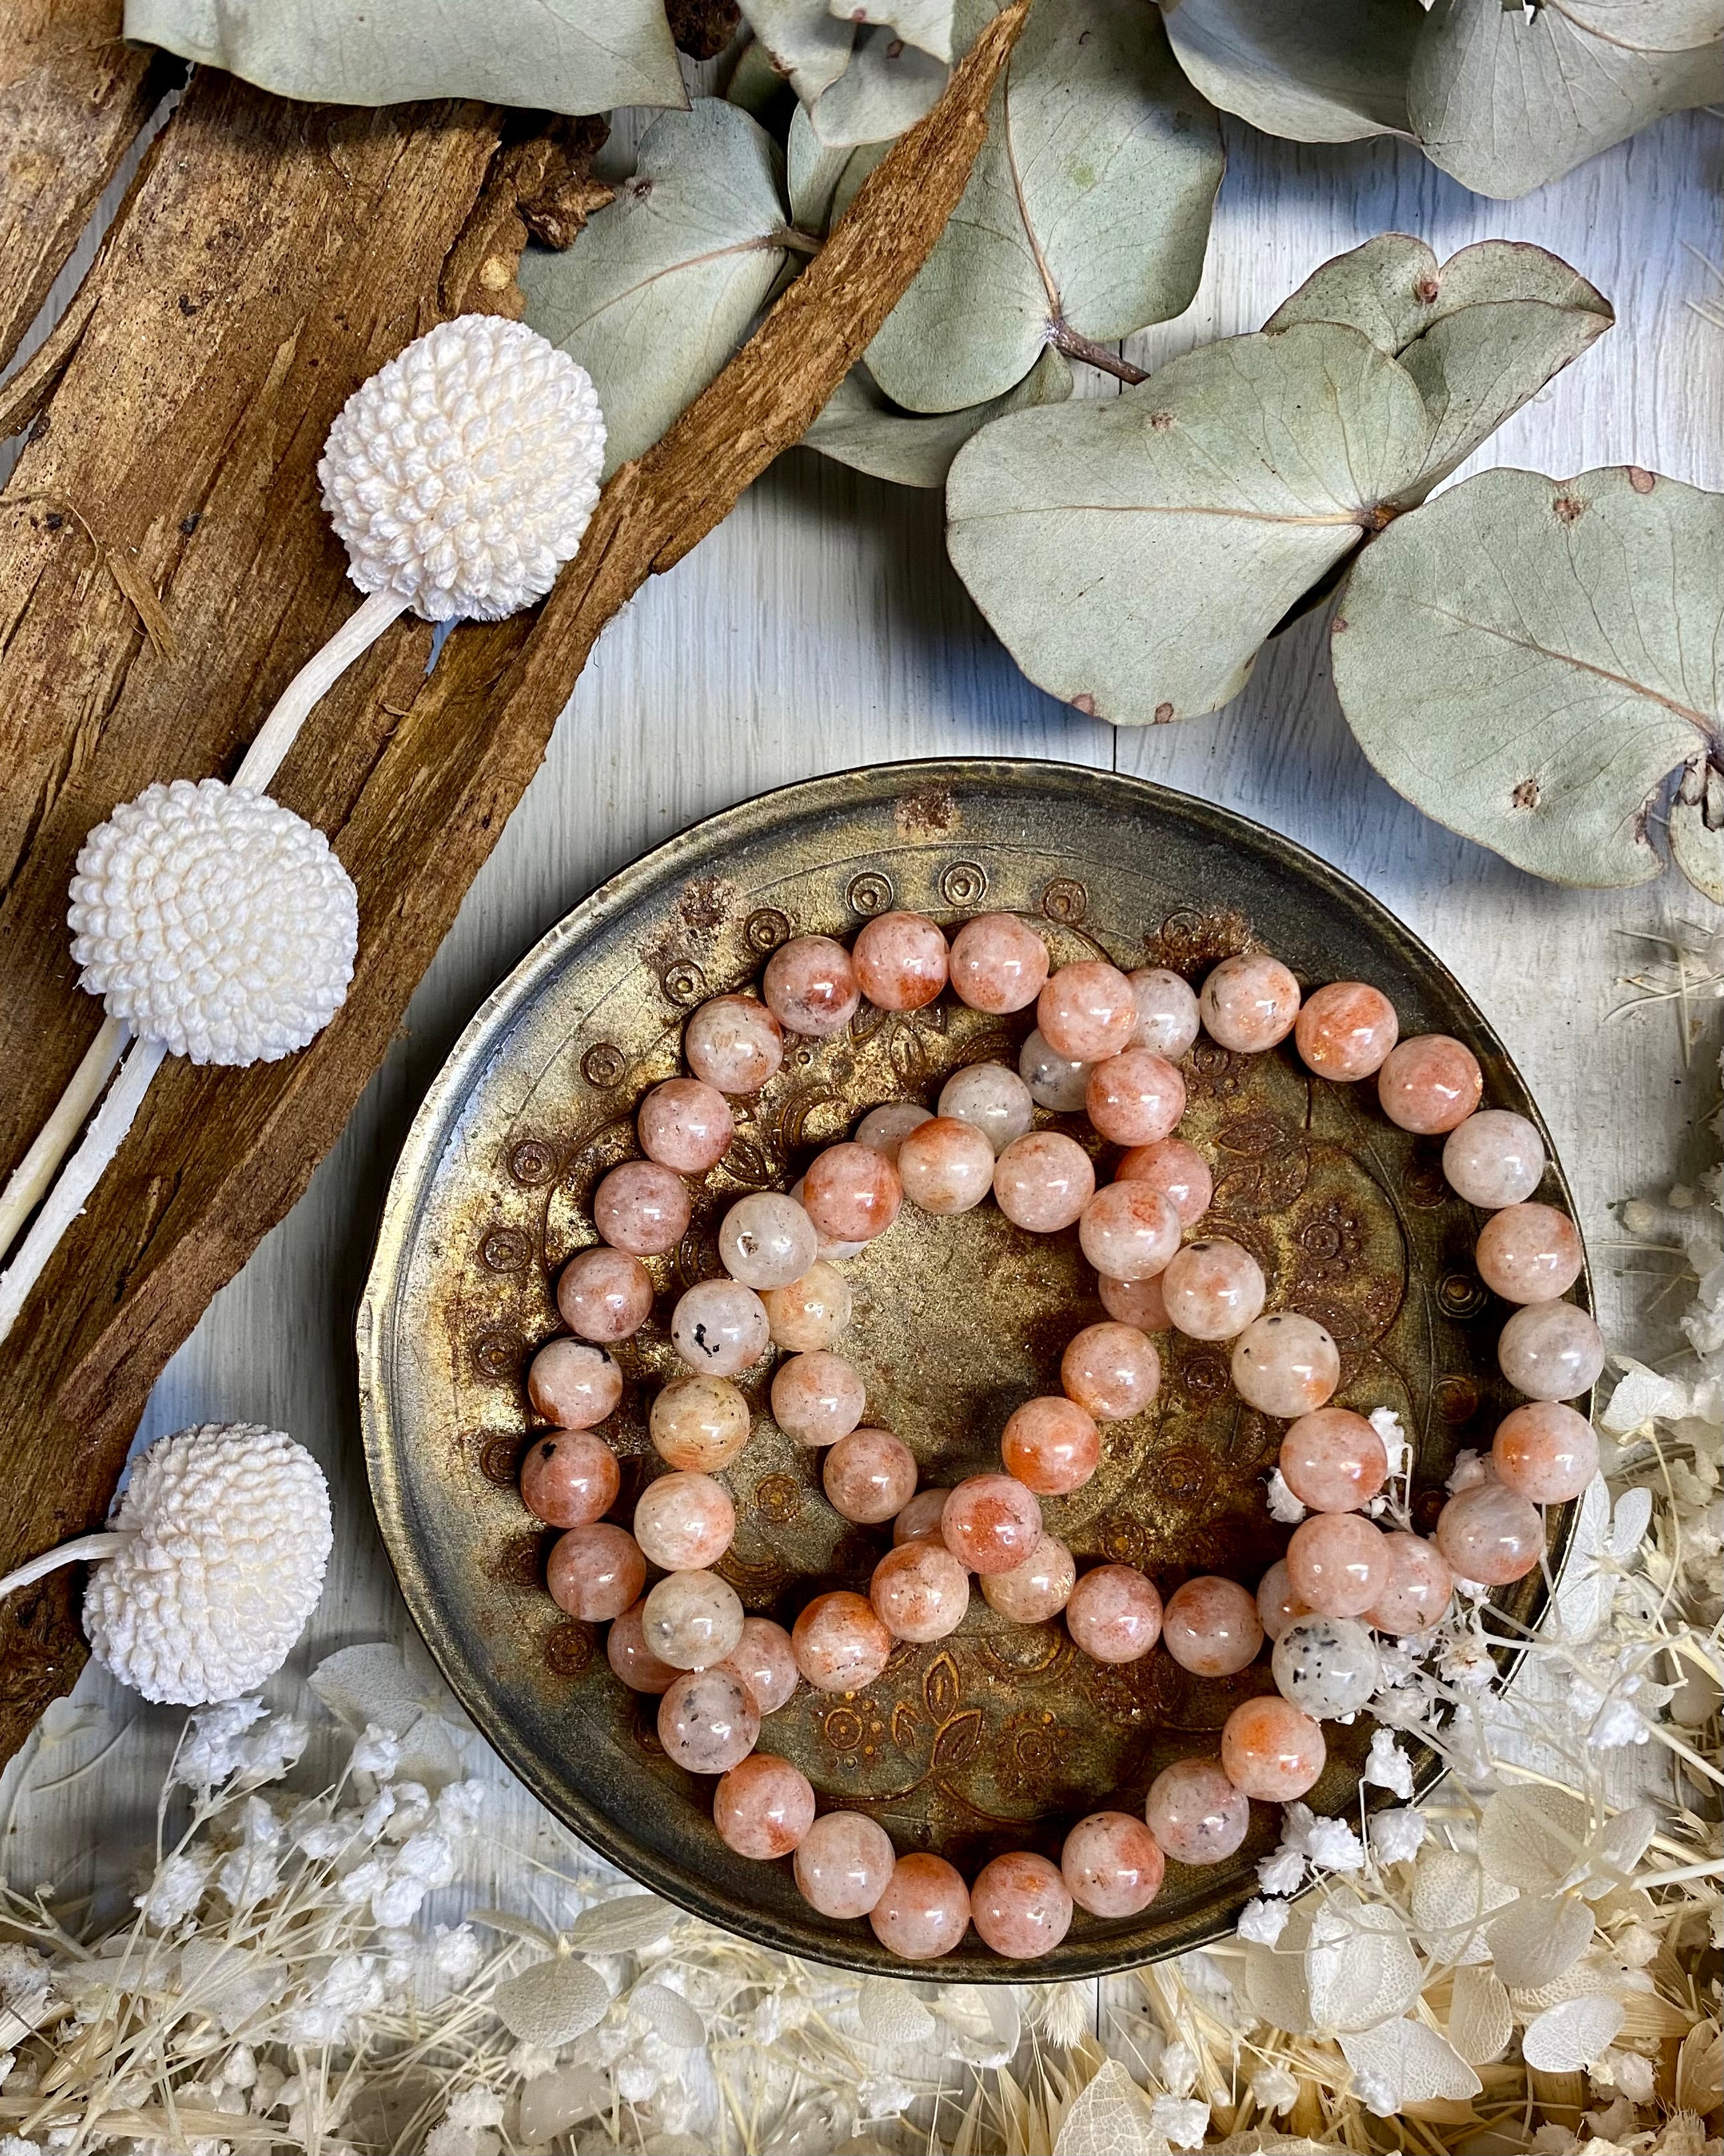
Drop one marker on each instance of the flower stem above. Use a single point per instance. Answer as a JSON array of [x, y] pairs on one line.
[[321, 671], [27, 1183], [87, 1549]]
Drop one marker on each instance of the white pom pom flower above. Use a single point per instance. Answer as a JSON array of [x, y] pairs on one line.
[[215, 922], [462, 474]]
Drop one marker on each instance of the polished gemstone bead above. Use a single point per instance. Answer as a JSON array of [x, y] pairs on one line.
[[595, 1572], [1056, 1082], [1337, 1563], [1177, 1170], [869, 1476], [766, 1241], [1139, 1303], [919, 1520], [605, 1295], [1551, 1351], [1277, 1604], [733, 1043], [685, 1125], [692, 1620], [1087, 1011], [1114, 1614], [1285, 1365], [810, 1312], [1210, 1626], [763, 1659], [851, 1192], [1271, 1750], [994, 1100], [1112, 1371], [1333, 1460], [1043, 1181], [920, 1591], [1112, 1865], [885, 1128], [764, 1807], [1546, 1451], [699, 1423], [708, 1721], [1528, 1254], [830, 1248], [991, 1522], [946, 1166], [1129, 1231], [839, 1642], [684, 1522], [1213, 1289], [924, 1910], [1430, 1083], [901, 961], [1195, 1814], [641, 1208], [570, 1480], [1167, 1017], [844, 1863], [720, 1328], [574, 1384], [1021, 1906], [1489, 1533], [810, 986], [1421, 1587], [1346, 1030], [1036, 1589], [1134, 1098], [1327, 1665], [999, 964], [1249, 1002], [631, 1659], [1494, 1159], [1051, 1444], [817, 1398]]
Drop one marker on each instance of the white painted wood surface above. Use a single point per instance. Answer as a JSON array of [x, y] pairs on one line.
[[822, 628]]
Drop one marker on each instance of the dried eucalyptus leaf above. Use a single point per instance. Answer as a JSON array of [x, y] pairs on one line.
[[1527, 658], [1088, 210], [629, 1924], [660, 289], [1135, 553], [1697, 828], [554, 2002], [1480, 2019], [1451, 1894], [1274, 1979], [1530, 1837], [1360, 1965], [1573, 2035], [1110, 2117], [1331, 73], [924, 23], [371, 1684], [1505, 99], [1538, 1941], [669, 2014], [862, 428], [804, 40], [890, 2012], [887, 86], [1418, 2064], [811, 174], [554, 56]]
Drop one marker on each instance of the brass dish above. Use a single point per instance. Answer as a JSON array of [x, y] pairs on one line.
[[1000, 1736]]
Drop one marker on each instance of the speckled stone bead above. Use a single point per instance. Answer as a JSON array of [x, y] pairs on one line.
[[1087, 1011], [766, 1241], [839, 1642], [1528, 1254], [810, 1312], [1285, 1365], [1167, 1019], [885, 1128], [920, 1591], [919, 1520], [685, 1125], [1326, 1665], [1112, 1865], [698, 1424], [1551, 1351], [1134, 1098], [830, 1248], [570, 1480], [1337, 1563], [1129, 1231], [869, 1476], [605, 1295], [763, 1659], [851, 1192], [684, 1522], [1057, 1083], [992, 1522], [1112, 1371], [1195, 1814], [924, 1910], [1249, 1002], [1271, 1750], [631, 1659], [1489, 1533], [996, 1100], [901, 961], [1546, 1451], [810, 986], [1036, 1589], [693, 1619], [1139, 1303], [1277, 1604], [708, 1721], [1210, 1626], [1114, 1614], [594, 1573], [1177, 1170], [1430, 1083], [817, 1398], [1344, 1031], [1333, 1460], [1021, 1906], [574, 1384], [999, 964], [764, 1807], [733, 1043], [641, 1208], [844, 1864], [1212, 1289], [946, 1166], [1494, 1159], [1043, 1181], [1421, 1587], [1051, 1444], [720, 1328]]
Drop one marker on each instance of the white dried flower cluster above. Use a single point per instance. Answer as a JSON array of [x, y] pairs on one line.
[[213, 921], [461, 476]]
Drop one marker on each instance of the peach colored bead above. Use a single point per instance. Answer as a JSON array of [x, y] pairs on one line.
[[1056, 1082], [1021, 1906], [885, 1128], [1211, 1627], [1134, 1098], [1344, 1031], [1546, 1451], [1528, 1254], [924, 1910], [817, 1398], [720, 1328], [1129, 1231], [1112, 1865], [641, 1208], [1489, 1533], [919, 1520], [574, 1384], [631, 1659], [1114, 1614], [1551, 1351], [869, 1475], [733, 1043], [1271, 1751], [901, 961], [999, 964], [763, 1659], [844, 1864], [1249, 1002], [1212, 1289], [767, 1240], [1333, 1460], [764, 1807], [685, 1124], [946, 1166], [1036, 1589], [1337, 1563], [605, 1295], [1285, 1365], [1494, 1159], [1430, 1083], [827, 1247], [811, 1312], [1177, 1170], [1421, 1587], [1042, 1181], [851, 1192], [1277, 1604], [708, 1721], [810, 986], [570, 1480], [839, 1642], [1051, 1444], [1112, 1371], [1139, 1303], [1087, 1011], [684, 1522], [991, 1522], [993, 1099], [1195, 1814], [594, 1573], [698, 1424], [1167, 1018], [692, 1620], [919, 1592]]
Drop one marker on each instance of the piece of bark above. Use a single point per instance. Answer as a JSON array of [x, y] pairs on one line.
[[275, 256]]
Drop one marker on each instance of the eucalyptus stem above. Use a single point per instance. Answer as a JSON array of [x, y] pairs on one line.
[[1064, 338]]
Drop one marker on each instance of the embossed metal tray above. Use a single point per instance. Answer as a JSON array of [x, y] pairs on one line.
[[1000, 1736]]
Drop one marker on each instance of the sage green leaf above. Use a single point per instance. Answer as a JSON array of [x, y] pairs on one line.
[[1505, 99], [888, 86], [658, 289], [1088, 209], [924, 23], [1133, 552], [554, 56], [1326, 73], [756, 85], [804, 40], [811, 174], [861, 428], [1697, 827], [1527, 659]]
